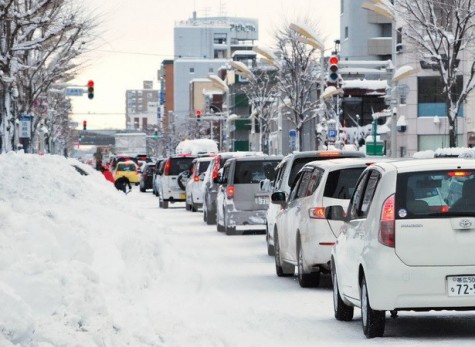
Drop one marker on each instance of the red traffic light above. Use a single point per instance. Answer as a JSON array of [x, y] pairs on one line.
[[90, 89], [84, 125], [333, 60], [198, 113]]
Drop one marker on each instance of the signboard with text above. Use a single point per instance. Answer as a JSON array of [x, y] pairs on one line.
[[25, 126]]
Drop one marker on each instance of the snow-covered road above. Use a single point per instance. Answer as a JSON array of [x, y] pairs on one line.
[[222, 291]]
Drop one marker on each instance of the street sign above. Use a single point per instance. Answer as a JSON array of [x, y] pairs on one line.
[[331, 135], [25, 126], [293, 133], [73, 91]]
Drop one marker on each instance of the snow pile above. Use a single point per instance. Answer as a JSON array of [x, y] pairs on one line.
[[197, 146], [74, 257]]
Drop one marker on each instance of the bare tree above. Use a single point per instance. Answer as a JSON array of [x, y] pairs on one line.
[[39, 41], [442, 31], [298, 79], [261, 90]]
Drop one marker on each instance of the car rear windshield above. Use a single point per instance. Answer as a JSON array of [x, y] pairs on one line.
[[203, 166], [435, 193], [126, 167], [341, 183], [254, 171], [178, 165]]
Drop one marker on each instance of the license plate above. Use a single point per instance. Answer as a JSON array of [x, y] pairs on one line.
[[461, 285], [260, 200], [182, 195]]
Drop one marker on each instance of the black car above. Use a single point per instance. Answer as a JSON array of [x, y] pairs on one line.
[[146, 179]]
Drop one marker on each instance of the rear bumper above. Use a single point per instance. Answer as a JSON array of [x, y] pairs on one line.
[[393, 285], [236, 217]]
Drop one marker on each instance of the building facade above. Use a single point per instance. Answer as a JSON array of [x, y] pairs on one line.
[[142, 107], [202, 47]]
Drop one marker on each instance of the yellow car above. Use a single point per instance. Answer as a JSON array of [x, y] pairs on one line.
[[128, 169]]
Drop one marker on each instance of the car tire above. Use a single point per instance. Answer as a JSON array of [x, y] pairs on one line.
[[306, 280], [270, 248], [187, 206], [181, 180], [210, 218], [343, 312], [194, 208], [142, 189], [281, 269], [373, 320], [164, 204], [205, 216], [229, 230], [219, 227]]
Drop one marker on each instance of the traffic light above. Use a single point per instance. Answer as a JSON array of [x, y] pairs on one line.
[[155, 134], [198, 115], [333, 75], [84, 125], [90, 89]]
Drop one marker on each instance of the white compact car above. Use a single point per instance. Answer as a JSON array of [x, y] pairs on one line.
[[194, 185], [302, 236], [173, 174], [405, 243], [285, 175]]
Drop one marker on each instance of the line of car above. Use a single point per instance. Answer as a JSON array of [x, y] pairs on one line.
[[395, 235]]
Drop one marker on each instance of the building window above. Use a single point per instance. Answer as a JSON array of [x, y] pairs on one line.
[[342, 6], [220, 38], [219, 54], [346, 32], [144, 123], [211, 69], [136, 122], [430, 98], [192, 70]]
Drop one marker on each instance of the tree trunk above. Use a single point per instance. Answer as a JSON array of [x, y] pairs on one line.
[[452, 126]]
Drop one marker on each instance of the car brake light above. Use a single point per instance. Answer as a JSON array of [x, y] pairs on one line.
[[459, 173], [196, 178], [387, 235], [230, 192], [166, 170], [316, 212]]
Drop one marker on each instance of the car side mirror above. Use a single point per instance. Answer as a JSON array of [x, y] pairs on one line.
[[335, 212], [279, 198]]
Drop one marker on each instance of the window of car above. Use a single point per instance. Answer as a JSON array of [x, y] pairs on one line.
[[178, 165], [303, 185], [297, 165], [340, 183], [279, 176], [314, 181], [126, 167], [295, 187], [361, 200], [254, 171]]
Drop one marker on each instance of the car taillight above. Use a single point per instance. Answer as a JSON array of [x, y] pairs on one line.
[[387, 234], [230, 192], [316, 212], [196, 178], [166, 170], [216, 168]]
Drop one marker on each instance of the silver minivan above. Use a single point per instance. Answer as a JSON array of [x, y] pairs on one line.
[[240, 199]]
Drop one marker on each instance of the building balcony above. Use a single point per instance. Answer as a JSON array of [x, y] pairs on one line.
[[380, 46]]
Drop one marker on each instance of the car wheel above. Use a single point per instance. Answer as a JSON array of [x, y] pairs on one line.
[[219, 227], [210, 218], [343, 312], [270, 248], [194, 208], [305, 279], [142, 188], [181, 179], [373, 320], [230, 230], [187, 206], [281, 269], [205, 216], [164, 204]]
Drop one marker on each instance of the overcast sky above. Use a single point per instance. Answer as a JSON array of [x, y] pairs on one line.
[[135, 36]]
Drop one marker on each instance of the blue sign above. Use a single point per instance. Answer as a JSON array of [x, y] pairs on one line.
[[331, 134], [293, 133], [73, 91]]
